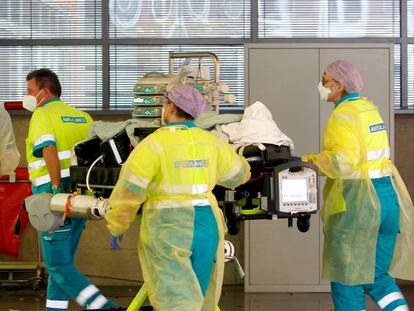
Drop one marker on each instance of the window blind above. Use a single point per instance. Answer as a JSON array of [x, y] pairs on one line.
[[397, 76], [329, 18], [129, 63], [410, 18], [179, 18], [52, 19], [411, 75], [80, 63], [78, 67]]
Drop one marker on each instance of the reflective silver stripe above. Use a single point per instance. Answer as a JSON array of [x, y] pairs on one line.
[[201, 202], [185, 189], [191, 164], [198, 189], [115, 151], [63, 155], [64, 230], [377, 173], [385, 301], [98, 303], [378, 154], [402, 308], [57, 304], [178, 204], [138, 180], [46, 178], [86, 293], [43, 138]]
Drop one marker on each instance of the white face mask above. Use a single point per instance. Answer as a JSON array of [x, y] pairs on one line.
[[30, 102], [324, 91]]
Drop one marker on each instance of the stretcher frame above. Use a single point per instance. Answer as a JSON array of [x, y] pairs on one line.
[[12, 267], [197, 55]]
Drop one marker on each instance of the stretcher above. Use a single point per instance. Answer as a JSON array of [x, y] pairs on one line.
[[281, 187], [13, 221]]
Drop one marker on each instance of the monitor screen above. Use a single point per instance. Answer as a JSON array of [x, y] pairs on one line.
[[294, 190]]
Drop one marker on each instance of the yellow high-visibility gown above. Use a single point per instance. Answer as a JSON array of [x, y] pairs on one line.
[[356, 149], [173, 170]]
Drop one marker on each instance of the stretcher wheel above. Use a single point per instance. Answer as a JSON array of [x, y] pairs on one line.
[[40, 282], [228, 251], [36, 285], [303, 223]]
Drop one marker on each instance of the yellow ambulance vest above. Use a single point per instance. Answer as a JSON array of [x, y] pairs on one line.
[[58, 124]]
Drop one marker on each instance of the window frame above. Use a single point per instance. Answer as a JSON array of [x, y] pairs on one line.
[[105, 42]]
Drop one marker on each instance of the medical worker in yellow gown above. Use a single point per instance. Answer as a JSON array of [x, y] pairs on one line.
[[367, 213], [173, 171]]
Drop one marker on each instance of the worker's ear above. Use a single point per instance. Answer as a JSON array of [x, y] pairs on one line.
[[167, 112], [339, 87], [48, 93], [172, 107]]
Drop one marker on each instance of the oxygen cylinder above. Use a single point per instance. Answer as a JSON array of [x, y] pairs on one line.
[[84, 206], [46, 211]]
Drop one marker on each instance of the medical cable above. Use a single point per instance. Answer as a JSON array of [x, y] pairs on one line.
[[89, 172]]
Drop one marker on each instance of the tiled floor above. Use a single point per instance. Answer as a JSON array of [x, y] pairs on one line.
[[233, 299]]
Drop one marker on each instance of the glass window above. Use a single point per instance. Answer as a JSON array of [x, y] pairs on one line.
[[179, 18], [129, 63], [397, 76], [410, 18], [15, 64], [328, 18], [78, 67], [14, 19], [411, 75], [53, 19]]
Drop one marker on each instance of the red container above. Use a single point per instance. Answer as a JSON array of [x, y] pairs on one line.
[[11, 211], [13, 105]]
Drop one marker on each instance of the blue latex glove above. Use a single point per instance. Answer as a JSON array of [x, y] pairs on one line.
[[295, 159], [114, 242]]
